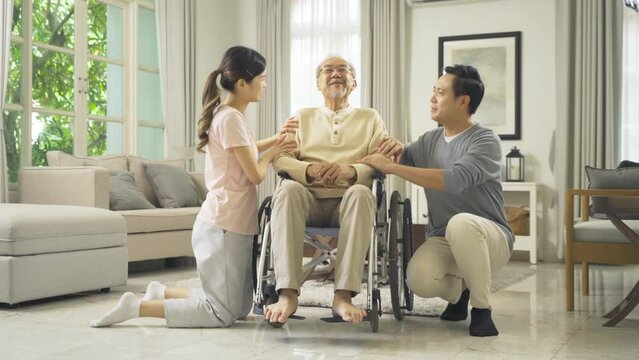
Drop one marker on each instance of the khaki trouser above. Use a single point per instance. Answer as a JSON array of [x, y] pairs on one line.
[[472, 249], [294, 207]]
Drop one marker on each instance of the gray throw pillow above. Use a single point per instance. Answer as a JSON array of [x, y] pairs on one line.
[[620, 178], [173, 187], [123, 194]]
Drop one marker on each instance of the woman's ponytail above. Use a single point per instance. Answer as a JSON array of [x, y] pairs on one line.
[[210, 101]]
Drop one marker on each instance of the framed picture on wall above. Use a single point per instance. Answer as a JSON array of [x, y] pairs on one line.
[[497, 57]]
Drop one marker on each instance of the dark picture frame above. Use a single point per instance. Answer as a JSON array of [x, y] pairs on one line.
[[497, 57]]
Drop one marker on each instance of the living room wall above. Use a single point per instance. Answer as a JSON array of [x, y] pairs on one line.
[[536, 21], [221, 24]]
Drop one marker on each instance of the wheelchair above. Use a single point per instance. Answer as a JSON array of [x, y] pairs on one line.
[[388, 255]]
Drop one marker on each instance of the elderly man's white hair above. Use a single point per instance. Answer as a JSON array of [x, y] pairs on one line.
[[319, 67]]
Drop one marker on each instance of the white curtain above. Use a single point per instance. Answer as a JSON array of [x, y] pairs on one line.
[[176, 49], [385, 83], [589, 94], [6, 14], [320, 28], [630, 104], [273, 44], [596, 90]]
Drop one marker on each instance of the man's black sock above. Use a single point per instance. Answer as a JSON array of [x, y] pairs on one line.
[[458, 311], [481, 323]]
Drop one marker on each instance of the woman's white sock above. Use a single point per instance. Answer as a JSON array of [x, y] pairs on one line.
[[127, 308], [154, 291]]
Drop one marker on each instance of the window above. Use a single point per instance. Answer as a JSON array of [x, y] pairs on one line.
[[71, 86], [320, 28], [630, 83]]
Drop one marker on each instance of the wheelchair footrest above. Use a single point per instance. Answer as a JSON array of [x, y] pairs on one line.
[[338, 319]]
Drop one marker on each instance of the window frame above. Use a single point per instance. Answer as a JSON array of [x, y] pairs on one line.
[[82, 56]]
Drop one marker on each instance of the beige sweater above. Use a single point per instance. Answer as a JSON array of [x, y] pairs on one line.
[[341, 137]]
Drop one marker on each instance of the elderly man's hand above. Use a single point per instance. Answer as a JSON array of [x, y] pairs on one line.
[[330, 173], [390, 147], [379, 162]]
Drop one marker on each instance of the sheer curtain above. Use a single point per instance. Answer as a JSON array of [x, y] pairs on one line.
[[273, 42], [176, 50], [630, 92], [320, 28], [6, 10]]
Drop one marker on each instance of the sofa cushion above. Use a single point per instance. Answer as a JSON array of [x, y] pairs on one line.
[[173, 187], [136, 165], [620, 178], [603, 231], [124, 195], [111, 162], [28, 229], [152, 220]]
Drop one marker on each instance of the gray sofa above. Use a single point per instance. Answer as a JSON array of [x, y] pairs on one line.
[[70, 180]]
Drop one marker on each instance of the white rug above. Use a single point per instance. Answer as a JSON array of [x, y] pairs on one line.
[[320, 294]]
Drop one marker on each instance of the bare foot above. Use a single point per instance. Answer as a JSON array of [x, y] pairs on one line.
[[343, 307], [285, 307]]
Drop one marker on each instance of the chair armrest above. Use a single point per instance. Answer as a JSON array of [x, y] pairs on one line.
[[81, 186], [200, 183], [586, 194]]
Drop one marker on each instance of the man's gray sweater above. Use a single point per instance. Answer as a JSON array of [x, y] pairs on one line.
[[472, 173]]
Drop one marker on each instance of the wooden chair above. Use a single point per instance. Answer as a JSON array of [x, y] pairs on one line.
[[612, 241]]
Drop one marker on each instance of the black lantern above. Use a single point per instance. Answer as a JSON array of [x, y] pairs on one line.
[[514, 165]]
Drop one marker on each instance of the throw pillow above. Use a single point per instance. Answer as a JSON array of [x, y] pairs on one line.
[[172, 186], [124, 195], [627, 163], [620, 178], [136, 165]]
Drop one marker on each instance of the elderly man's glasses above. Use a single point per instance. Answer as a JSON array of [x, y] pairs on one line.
[[342, 70]]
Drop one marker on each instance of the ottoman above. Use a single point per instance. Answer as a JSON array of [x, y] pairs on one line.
[[51, 250]]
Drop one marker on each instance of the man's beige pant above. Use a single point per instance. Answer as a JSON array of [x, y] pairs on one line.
[[472, 249], [294, 207]]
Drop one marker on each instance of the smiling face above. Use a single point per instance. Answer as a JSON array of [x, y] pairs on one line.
[[444, 105], [252, 91], [335, 79]]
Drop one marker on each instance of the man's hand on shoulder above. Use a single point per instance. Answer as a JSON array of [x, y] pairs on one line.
[[390, 147], [379, 162]]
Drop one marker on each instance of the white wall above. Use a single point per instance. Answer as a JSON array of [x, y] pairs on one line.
[[536, 20], [221, 24]]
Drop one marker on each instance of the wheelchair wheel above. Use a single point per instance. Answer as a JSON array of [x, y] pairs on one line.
[[408, 251], [375, 311], [261, 251], [400, 251]]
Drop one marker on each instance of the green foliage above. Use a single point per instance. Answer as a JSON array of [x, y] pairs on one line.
[[53, 81], [96, 141], [57, 134]]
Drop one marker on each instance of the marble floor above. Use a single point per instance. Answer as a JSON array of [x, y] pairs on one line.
[[530, 316]]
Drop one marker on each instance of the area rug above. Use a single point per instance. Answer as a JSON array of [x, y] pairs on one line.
[[320, 293]]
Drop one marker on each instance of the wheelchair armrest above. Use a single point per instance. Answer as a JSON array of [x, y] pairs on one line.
[[284, 175], [379, 176]]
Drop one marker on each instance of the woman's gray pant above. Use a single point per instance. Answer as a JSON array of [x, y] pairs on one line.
[[224, 265]]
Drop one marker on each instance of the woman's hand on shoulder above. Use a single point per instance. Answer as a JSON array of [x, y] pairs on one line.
[[282, 146], [290, 126]]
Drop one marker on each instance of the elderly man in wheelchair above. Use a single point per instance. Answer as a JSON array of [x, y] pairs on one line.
[[326, 187]]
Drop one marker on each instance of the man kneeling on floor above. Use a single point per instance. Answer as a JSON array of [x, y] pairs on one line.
[[459, 166]]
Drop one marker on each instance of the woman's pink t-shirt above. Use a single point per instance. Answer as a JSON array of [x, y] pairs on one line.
[[231, 202]]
